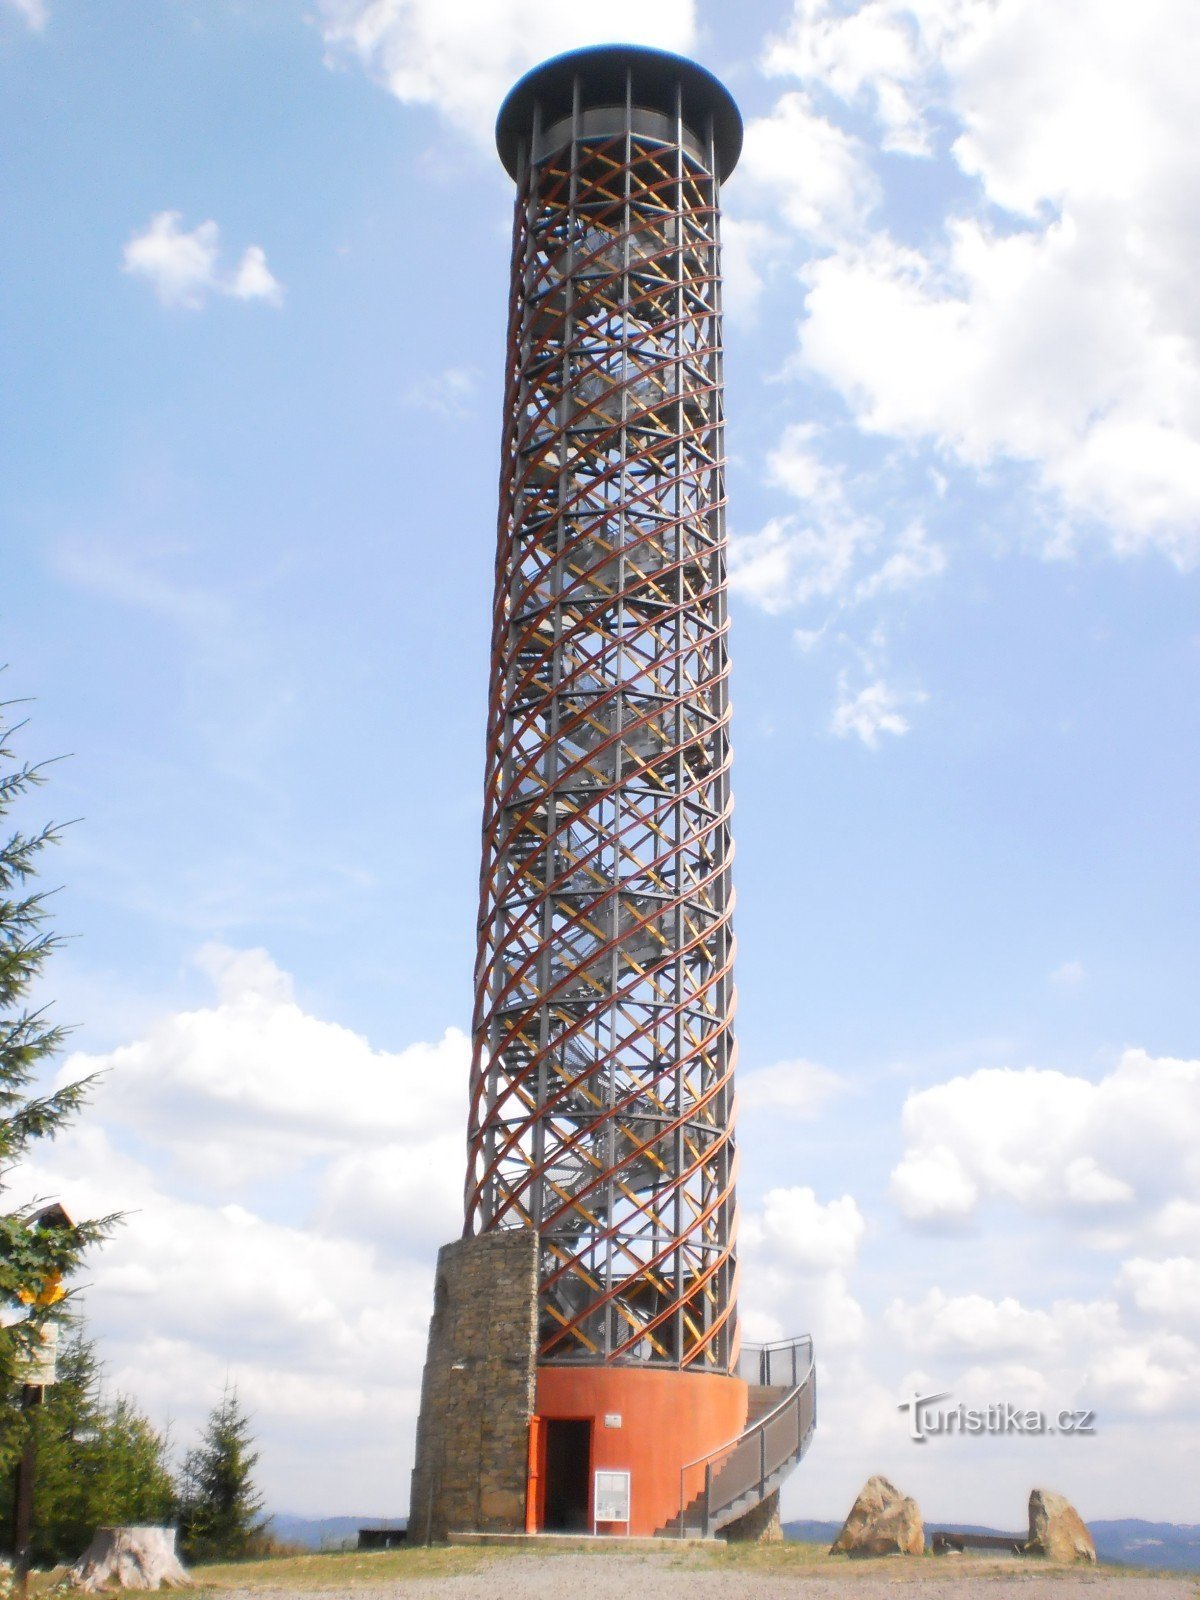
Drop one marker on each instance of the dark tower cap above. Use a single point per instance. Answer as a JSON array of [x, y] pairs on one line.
[[601, 71]]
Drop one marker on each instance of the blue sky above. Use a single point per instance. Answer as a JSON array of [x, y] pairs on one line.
[[255, 257]]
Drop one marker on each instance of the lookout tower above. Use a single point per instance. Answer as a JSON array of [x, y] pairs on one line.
[[584, 1370]]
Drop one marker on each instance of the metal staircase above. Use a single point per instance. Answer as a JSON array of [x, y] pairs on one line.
[[740, 1475]]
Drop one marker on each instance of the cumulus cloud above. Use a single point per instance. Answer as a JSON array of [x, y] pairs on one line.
[[913, 560], [256, 1061], [799, 1089], [1050, 321], [798, 1254], [815, 174], [1069, 1353], [798, 558], [32, 12], [461, 59], [751, 252], [184, 270], [829, 551], [285, 1186], [870, 712], [1167, 1288], [1125, 1147], [1069, 974], [972, 1327]]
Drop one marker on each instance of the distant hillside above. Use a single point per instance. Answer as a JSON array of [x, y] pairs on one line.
[[325, 1533], [1131, 1542], [1173, 1546]]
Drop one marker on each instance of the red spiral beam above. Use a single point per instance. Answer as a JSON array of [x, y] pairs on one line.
[[602, 1079]]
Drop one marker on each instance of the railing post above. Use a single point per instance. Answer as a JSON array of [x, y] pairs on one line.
[[708, 1478], [762, 1460]]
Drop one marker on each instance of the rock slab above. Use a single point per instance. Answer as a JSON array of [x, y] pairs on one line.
[[1056, 1530], [882, 1522]]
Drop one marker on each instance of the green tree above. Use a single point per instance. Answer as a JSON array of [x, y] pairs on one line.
[[99, 1462], [219, 1507], [38, 1251]]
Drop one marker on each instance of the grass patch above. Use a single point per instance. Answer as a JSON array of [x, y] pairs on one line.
[[788, 1556], [342, 1569]]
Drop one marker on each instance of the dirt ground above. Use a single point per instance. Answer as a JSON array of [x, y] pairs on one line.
[[779, 1573]]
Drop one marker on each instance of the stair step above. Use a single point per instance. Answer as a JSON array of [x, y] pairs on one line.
[[752, 1458], [762, 1400]]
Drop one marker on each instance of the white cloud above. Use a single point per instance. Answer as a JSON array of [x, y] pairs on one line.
[[1070, 1353], [932, 1186], [972, 1326], [1069, 974], [751, 251], [253, 279], [872, 711], [256, 1060], [451, 392], [797, 1229], [1167, 1288], [795, 559], [183, 267], [1056, 326], [798, 1254], [791, 561], [33, 12], [869, 54], [813, 174], [818, 554], [912, 561], [1126, 1147], [462, 59], [286, 1187], [799, 1089]]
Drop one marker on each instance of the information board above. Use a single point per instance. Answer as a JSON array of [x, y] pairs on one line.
[[39, 1365], [612, 1497]]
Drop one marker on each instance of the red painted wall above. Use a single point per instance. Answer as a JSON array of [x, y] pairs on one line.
[[667, 1419]]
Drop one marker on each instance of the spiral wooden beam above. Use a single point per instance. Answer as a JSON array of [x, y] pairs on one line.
[[602, 1079]]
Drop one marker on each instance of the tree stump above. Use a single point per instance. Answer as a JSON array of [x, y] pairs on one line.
[[129, 1558]]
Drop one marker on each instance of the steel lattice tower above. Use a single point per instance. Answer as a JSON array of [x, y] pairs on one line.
[[602, 1091], [583, 1365]]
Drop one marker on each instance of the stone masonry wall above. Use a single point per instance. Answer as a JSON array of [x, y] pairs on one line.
[[759, 1525], [478, 1390]]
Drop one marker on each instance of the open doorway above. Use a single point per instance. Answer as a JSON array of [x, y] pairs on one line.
[[568, 1475]]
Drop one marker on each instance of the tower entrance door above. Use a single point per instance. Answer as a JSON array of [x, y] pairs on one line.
[[568, 1475]]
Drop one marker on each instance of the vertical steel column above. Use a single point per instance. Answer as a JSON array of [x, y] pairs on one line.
[[601, 1092]]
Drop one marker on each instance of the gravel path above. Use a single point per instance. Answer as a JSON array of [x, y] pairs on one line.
[[637, 1577]]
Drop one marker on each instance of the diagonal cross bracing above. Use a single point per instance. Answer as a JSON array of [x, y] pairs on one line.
[[602, 1100]]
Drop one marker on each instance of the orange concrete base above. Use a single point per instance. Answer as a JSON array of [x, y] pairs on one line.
[[645, 1422]]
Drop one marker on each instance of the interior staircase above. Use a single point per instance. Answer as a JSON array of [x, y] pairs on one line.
[[780, 1421]]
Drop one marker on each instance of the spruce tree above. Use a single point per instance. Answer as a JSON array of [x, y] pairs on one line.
[[38, 1252], [220, 1510], [99, 1462]]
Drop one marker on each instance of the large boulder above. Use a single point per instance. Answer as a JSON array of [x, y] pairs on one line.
[[1056, 1530], [882, 1522]]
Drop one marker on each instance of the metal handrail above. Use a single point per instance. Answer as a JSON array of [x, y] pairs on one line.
[[758, 1362], [752, 1441]]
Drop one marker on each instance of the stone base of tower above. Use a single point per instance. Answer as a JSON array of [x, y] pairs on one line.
[[477, 1393], [506, 1446], [640, 1421]]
